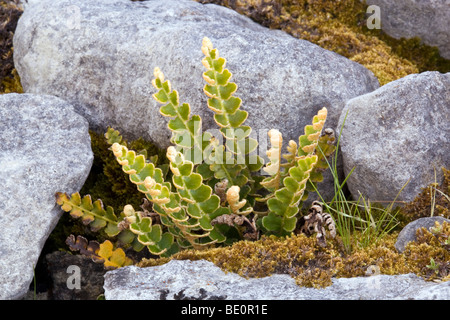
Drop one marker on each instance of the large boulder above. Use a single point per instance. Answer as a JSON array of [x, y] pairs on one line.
[[204, 280], [45, 148], [425, 19], [397, 133], [100, 56]]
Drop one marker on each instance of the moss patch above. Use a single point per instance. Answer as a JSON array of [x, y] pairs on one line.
[[433, 197], [314, 266], [340, 26], [430, 254]]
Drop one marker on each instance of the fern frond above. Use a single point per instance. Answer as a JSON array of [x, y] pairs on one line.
[[273, 166], [309, 141], [291, 156], [148, 234], [186, 128], [99, 253], [149, 180], [235, 204], [196, 200], [113, 136], [229, 117], [90, 213], [325, 148], [284, 206], [112, 258]]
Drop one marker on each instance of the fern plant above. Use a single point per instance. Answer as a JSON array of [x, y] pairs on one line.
[[213, 187], [290, 185]]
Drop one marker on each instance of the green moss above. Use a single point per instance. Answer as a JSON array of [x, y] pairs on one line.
[[314, 266], [336, 26], [425, 57], [340, 26], [11, 83], [431, 246]]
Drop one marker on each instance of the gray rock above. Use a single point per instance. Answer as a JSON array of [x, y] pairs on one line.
[[426, 19], [74, 277], [203, 280], [100, 56], [396, 133], [408, 233], [45, 148]]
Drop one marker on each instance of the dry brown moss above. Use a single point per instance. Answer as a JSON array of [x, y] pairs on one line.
[[298, 256], [422, 205], [431, 246], [340, 26], [314, 266]]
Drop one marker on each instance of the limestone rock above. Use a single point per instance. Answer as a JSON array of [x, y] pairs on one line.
[[100, 56], [408, 233], [45, 148], [426, 19], [396, 133], [203, 280]]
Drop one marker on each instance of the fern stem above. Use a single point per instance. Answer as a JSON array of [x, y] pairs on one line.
[[95, 215]]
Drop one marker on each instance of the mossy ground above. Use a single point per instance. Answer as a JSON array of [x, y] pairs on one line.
[[314, 266], [433, 198]]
